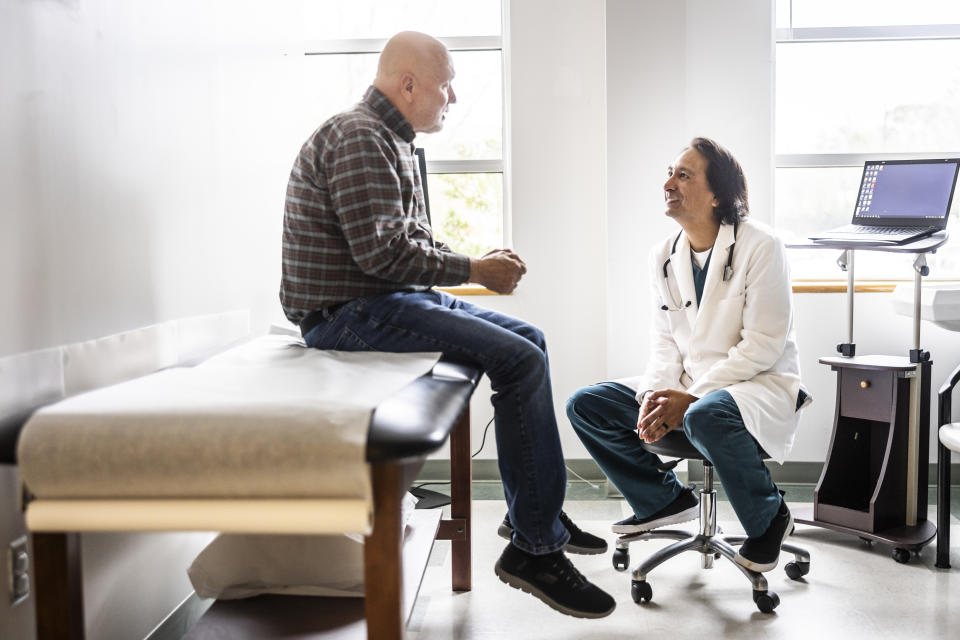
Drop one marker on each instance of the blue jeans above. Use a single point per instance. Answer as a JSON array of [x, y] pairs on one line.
[[513, 354], [605, 417]]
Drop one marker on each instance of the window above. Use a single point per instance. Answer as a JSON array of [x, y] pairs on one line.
[[860, 80], [465, 160]]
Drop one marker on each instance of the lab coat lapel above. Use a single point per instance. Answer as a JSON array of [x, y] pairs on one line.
[[718, 260], [714, 282], [684, 272]]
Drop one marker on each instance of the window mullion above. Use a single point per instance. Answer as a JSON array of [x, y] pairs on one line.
[[375, 45], [810, 160], [465, 166], [845, 34]]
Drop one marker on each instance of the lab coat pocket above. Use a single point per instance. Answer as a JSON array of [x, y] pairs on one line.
[[726, 322]]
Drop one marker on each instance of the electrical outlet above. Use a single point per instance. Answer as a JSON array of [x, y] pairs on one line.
[[18, 564]]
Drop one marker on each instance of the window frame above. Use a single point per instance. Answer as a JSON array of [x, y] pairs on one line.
[[859, 34], [807, 35]]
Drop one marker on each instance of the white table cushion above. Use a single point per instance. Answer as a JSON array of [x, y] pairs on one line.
[[950, 436], [269, 419]]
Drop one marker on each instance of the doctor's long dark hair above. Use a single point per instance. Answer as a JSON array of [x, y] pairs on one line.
[[726, 180]]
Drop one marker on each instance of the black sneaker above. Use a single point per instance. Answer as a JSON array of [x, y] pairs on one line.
[[763, 553], [555, 580], [580, 541], [684, 507]]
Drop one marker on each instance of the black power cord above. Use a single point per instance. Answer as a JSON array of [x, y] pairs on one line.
[[483, 441]]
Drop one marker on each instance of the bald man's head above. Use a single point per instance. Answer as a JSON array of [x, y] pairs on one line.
[[416, 72]]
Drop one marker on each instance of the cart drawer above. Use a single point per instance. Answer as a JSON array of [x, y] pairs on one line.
[[866, 394]]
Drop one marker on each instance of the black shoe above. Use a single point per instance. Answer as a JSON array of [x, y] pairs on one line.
[[762, 553], [580, 541], [555, 580], [684, 507]]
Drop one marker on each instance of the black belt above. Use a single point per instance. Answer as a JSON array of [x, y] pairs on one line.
[[315, 317]]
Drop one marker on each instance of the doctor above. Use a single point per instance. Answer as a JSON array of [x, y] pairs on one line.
[[723, 363]]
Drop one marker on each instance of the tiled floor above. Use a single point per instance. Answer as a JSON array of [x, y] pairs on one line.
[[853, 590]]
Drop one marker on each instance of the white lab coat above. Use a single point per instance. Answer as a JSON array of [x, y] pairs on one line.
[[740, 338]]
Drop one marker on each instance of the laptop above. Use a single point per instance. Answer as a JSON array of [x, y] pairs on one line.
[[899, 201]]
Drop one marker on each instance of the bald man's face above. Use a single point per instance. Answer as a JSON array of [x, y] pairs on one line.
[[433, 95]]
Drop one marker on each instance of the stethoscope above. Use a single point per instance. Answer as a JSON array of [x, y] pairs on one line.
[[727, 269]]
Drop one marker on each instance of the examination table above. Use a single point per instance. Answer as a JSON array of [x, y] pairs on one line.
[[404, 429]]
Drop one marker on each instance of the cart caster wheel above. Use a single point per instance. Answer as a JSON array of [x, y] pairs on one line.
[[621, 559], [901, 555], [716, 556], [796, 569], [640, 590], [766, 601]]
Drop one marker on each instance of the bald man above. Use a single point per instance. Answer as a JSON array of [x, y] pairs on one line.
[[359, 266]]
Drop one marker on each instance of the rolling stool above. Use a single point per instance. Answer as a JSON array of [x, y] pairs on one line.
[[676, 445]]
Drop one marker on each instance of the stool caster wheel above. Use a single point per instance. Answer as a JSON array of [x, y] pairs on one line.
[[901, 555], [766, 601], [641, 590], [796, 570], [621, 559]]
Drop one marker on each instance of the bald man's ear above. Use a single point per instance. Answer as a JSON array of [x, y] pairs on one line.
[[407, 83]]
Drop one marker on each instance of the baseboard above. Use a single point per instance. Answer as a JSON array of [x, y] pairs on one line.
[[176, 625], [486, 470]]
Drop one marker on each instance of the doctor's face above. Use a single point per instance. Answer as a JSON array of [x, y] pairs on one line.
[[687, 193]]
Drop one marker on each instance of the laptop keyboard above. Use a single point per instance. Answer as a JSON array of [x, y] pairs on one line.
[[893, 231]]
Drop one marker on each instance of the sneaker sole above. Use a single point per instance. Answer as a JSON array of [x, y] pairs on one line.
[[506, 533], [684, 516], [769, 566], [518, 583], [585, 551]]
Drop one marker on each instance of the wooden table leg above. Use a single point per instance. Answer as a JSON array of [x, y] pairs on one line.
[[461, 476], [58, 586], [383, 555]]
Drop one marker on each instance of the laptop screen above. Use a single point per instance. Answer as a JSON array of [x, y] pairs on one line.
[[906, 192]]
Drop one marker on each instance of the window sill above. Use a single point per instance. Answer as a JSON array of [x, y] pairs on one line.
[[861, 286], [468, 290], [799, 286], [840, 286]]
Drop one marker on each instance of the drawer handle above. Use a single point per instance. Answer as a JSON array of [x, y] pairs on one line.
[[864, 384]]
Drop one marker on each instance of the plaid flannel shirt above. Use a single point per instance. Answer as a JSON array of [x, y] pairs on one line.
[[355, 221]]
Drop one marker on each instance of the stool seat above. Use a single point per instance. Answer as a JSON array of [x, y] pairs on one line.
[[674, 445]]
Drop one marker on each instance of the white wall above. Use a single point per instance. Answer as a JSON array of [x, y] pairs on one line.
[[676, 70], [143, 165], [555, 54], [144, 152]]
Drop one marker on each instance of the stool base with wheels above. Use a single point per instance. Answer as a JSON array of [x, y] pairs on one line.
[[708, 543]]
